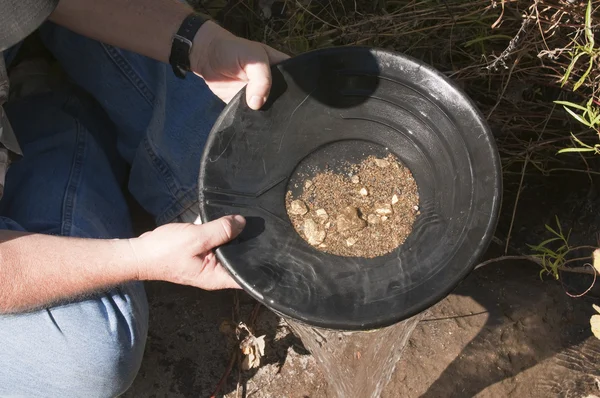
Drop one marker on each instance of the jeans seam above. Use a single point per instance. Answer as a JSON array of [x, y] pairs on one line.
[[177, 207], [162, 167], [177, 193], [129, 72], [75, 175]]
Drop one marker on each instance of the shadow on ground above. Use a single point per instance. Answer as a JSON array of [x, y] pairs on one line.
[[503, 333], [186, 354]]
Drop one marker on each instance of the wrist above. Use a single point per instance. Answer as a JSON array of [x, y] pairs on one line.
[[135, 261], [203, 41]]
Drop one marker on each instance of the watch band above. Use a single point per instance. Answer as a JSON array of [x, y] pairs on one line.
[[182, 43]]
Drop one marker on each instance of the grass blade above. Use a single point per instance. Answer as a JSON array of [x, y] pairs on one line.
[[571, 104], [578, 118]]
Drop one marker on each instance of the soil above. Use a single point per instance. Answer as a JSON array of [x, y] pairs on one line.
[[368, 210], [502, 333]]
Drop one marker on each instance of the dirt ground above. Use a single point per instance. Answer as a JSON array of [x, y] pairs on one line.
[[503, 333]]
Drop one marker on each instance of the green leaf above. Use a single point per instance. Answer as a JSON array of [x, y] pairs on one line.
[[571, 104], [558, 225], [565, 78], [577, 117], [577, 140], [547, 252], [549, 228], [565, 150], [544, 243], [588, 24], [584, 76]]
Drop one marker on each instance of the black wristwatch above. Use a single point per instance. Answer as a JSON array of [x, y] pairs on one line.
[[182, 43]]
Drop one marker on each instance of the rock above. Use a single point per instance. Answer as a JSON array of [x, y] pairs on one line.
[[322, 215], [355, 179], [395, 199], [373, 219], [382, 163], [351, 241], [383, 209], [308, 184], [364, 192], [384, 218], [349, 221], [314, 234], [298, 208], [328, 225], [416, 208]]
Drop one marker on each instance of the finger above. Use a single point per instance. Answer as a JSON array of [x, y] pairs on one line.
[[259, 84], [275, 56], [218, 232]]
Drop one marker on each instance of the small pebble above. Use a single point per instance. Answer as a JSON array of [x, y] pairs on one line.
[[314, 234], [322, 214], [373, 219], [395, 199], [383, 209], [351, 241], [364, 192], [349, 221], [298, 208], [384, 218], [355, 179], [308, 184], [416, 208], [382, 163]]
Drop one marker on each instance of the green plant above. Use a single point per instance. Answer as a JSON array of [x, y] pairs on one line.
[[552, 260], [589, 118], [579, 50]]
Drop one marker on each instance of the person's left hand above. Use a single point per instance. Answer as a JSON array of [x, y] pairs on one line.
[[183, 253], [227, 63]]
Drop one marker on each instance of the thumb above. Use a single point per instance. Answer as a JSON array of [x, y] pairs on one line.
[[218, 232], [259, 84]]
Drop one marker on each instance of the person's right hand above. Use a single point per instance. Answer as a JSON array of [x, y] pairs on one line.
[[227, 63], [182, 253]]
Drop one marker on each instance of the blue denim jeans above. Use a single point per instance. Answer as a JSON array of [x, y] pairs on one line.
[[124, 120]]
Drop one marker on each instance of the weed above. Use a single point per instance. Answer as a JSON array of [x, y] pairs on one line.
[[553, 259], [587, 49], [589, 118]]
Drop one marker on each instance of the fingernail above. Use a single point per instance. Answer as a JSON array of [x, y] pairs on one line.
[[256, 102], [240, 221]]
